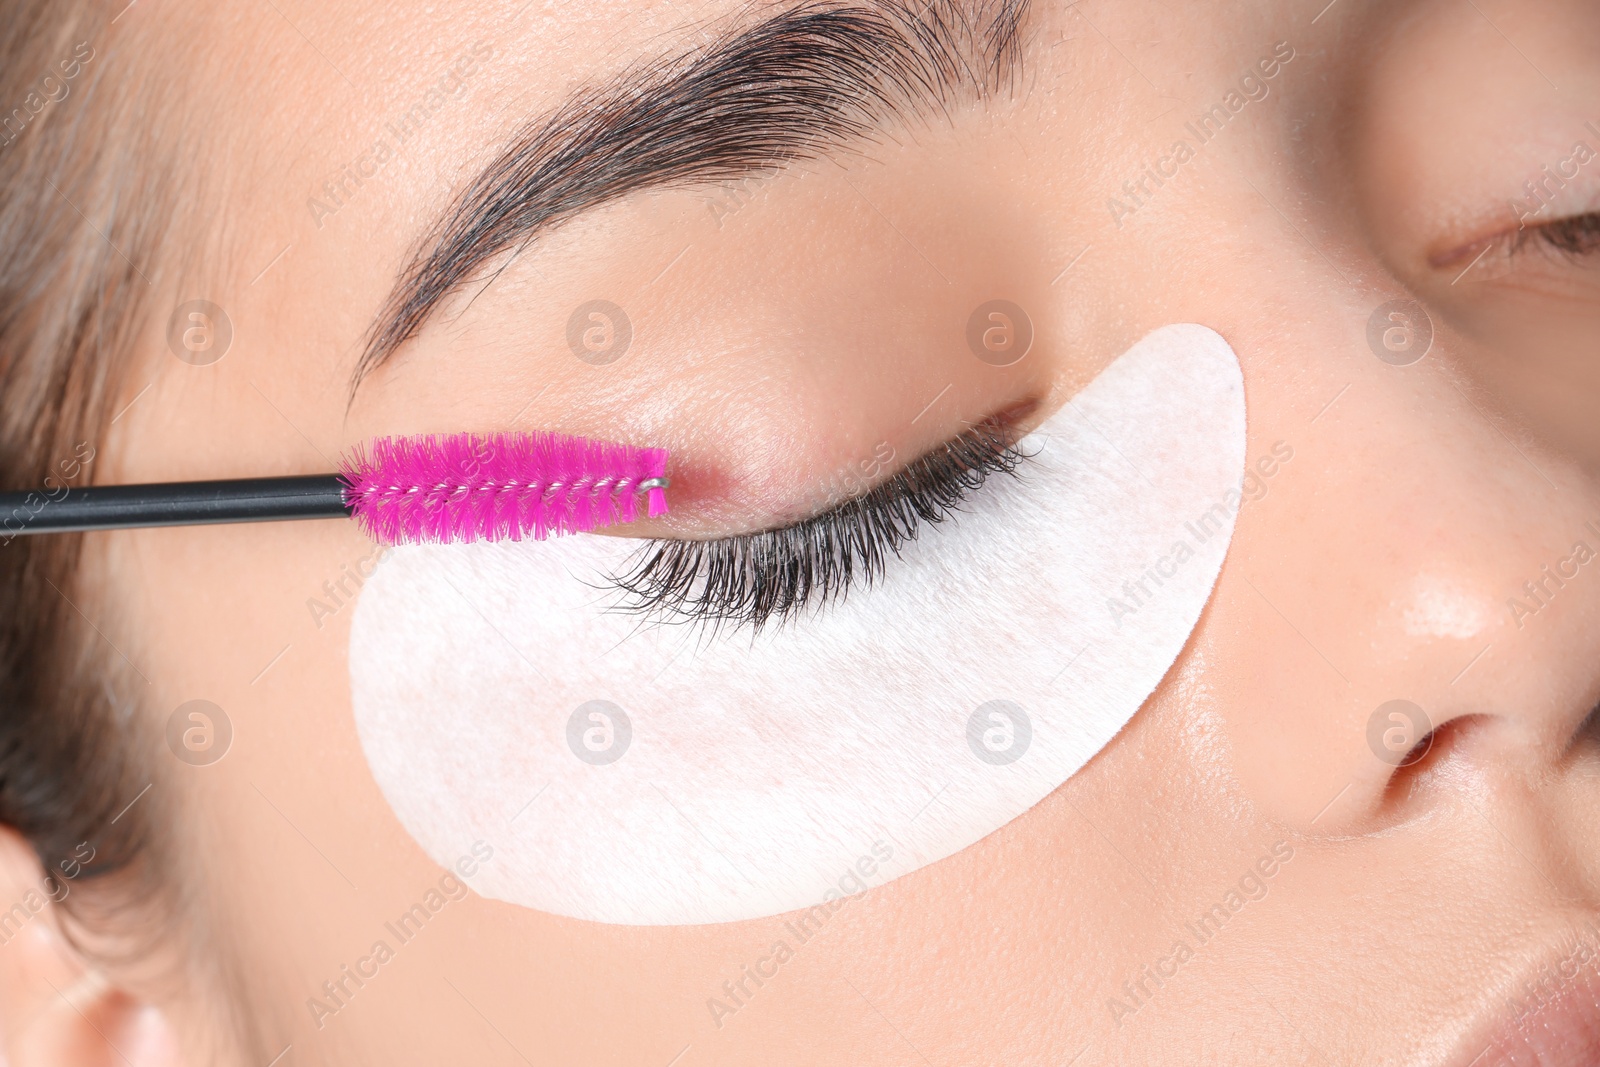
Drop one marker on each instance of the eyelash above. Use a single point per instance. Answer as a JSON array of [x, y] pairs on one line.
[[1577, 235], [773, 576]]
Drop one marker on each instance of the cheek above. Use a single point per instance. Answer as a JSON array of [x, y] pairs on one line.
[[658, 775]]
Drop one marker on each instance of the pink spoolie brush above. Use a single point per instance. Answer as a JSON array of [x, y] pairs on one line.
[[446, 489], [499, 487]]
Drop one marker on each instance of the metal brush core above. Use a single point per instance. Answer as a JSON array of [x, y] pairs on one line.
[[653, 483]]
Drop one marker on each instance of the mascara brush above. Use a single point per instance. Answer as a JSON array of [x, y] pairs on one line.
[[435, 489]]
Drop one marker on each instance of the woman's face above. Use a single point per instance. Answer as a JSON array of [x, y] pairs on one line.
[[1252, 870]]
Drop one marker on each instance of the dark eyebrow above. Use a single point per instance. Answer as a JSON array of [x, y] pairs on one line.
[[785, 89]]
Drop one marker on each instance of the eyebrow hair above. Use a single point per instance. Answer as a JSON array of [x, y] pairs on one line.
[[787, 89]]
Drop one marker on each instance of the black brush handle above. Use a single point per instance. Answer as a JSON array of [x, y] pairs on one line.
[[120, 507]]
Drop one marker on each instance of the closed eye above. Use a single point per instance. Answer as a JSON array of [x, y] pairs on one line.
[[1578, 235], [775, 576]]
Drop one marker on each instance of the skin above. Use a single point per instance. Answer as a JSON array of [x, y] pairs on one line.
[[816, 318]]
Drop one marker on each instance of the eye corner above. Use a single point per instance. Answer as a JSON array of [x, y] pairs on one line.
[[1456, 254]]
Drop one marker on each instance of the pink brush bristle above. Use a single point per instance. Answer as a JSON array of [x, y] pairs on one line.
[[497, 487]]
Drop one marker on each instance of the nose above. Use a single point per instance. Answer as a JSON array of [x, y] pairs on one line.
[[1417, 589], [1413, 586]]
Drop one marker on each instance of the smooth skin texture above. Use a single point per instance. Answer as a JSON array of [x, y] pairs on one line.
[[777, 339]]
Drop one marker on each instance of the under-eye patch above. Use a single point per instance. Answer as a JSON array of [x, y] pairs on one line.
[[661, 774]]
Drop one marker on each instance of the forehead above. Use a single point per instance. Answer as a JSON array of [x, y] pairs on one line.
[[388, 108], [309, 87], [376, 111], [336, 134]]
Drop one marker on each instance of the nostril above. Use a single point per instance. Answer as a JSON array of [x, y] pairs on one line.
[[1419, 751], [1428, 759], [1395, 731]]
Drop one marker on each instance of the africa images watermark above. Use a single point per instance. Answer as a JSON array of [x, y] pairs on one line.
[[339, 190], [1206, 128], [341, 590], [55, 889], [1139, 991], [737, 992], [728, 197], [340, 990], [854, 479], [65, 472], [1539, 193], [1554, 980], [1139, 591], [1538, 593], [52, 88]]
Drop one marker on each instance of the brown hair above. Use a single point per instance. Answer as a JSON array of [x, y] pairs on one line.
[[79, 223], [99, 128]]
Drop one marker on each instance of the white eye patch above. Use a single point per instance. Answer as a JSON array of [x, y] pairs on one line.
[[657, 775]]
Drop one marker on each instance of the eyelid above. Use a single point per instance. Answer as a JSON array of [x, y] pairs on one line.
[[776, 575], [1007, 425], [1579, 196], [1577, 234]]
